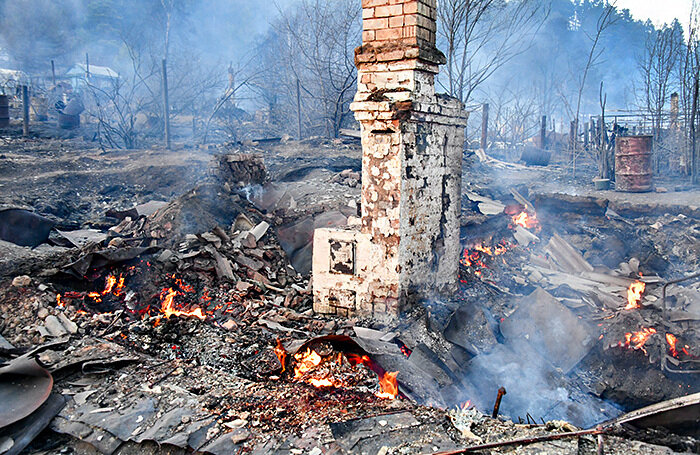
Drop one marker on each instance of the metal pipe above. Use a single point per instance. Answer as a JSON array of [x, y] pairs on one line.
[[497, 405], [525, 441]]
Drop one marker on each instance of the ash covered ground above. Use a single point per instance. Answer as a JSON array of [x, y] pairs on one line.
[[177, 316]]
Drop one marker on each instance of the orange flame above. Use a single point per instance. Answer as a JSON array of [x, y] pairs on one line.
[[309, 359], [388, 385], [466, 405], [305, 361], [281, 354], [525, 220], [59, 302], [634, 295], [672, 341], [636, 340], [167, 307], [111, 281]]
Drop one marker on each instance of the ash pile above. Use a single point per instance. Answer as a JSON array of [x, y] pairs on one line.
[[188, 325]]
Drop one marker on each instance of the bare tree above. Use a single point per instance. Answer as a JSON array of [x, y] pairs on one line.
[[120, 108], [317, 39], [480, 36], [688, 77], [605, 20], [657, 65]]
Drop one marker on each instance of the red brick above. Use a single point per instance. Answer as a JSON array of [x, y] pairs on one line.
[[375, 24], [373, 3], [410, 7], [367, 13], [367, 36], [389, 34], [388, 11], [390, 56], [396, 21]]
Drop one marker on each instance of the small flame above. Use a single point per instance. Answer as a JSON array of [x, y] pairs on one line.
[[466, 405], [321, 382], [636, 340], [634, 295], [167, 307], [672, 341], [59, 302], [526, 220], [111, 281], [281, 354]]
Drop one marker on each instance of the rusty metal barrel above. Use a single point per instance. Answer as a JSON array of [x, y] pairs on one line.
[[633, 164], [4, 111]]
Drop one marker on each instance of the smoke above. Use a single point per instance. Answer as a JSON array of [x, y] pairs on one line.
[[36, 31]]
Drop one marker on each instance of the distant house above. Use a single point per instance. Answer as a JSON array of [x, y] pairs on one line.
[[100, 76]]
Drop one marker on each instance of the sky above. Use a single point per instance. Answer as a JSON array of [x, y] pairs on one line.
[[659, 11]]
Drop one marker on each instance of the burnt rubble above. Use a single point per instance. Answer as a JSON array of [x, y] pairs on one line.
[[322, 296], [178, 327]]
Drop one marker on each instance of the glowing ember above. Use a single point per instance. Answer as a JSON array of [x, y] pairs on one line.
[[388, 385], [672, 341], [305, 361], [167, 306], [634, 295], [321, 382], [636, 340]]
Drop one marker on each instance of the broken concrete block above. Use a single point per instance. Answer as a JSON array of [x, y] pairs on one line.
[[69, 325], [54, 326], [524, 237]]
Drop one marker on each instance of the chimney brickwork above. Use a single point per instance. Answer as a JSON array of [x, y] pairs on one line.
[[406, 244]]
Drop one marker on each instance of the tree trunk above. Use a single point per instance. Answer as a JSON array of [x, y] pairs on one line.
[[166, 105], [484, 127], [695, 156]]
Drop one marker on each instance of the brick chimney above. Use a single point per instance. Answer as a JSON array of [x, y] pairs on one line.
[[406, 245]]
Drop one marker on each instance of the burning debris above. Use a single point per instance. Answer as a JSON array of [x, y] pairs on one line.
[[634, 295]]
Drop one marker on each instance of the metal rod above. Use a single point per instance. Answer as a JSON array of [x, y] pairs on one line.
[[524, 441], [497, 405]]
